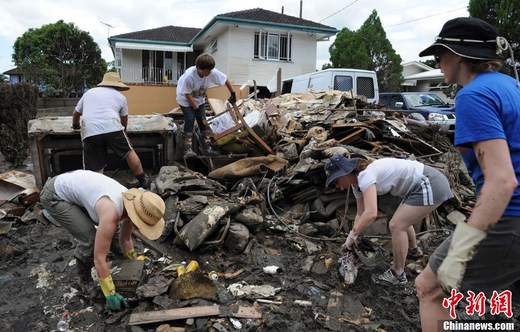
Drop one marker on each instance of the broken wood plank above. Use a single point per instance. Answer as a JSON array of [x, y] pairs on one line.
[[356, 134], [218, 106], [148, 317], [173, 314]]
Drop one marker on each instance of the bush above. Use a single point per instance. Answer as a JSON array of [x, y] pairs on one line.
[[17, 106]]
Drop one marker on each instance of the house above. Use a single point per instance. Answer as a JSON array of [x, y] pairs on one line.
[[247, 45], [420, 77], [15, 75]]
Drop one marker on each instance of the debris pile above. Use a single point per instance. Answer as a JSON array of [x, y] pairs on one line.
[[263, 229]]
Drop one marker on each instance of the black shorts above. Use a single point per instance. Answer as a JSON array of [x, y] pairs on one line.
[[495, 266], [95, 149]]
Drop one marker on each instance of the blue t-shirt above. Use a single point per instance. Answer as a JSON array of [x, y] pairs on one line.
[[489, 108]]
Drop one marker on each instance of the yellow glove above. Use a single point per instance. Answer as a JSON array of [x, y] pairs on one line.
[[107, 286], [463, 247], [115, 301], [131, 254]]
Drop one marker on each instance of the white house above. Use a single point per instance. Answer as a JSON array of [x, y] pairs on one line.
[[420, 77], [15, 75], [247, 45]]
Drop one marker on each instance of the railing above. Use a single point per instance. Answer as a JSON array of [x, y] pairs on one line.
[[148, 75]]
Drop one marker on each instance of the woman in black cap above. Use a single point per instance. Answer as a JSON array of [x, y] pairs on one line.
[[482, 254]]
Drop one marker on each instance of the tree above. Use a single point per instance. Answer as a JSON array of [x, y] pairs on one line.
[[505, 16], [59, 57], [368, 48], [429, 63]]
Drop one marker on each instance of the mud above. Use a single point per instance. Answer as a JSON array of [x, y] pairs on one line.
[[39, 282]]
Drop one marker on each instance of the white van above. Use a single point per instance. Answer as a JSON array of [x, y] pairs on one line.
[[361, 82]]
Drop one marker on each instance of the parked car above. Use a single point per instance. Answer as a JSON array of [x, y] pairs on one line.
[[422, 106]]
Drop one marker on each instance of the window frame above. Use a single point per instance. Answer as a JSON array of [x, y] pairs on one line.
[[272, 46]]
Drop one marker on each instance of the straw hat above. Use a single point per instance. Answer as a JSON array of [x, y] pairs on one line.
[[112, 79], [146, 211]]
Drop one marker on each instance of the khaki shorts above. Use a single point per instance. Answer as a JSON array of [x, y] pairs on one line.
[[73, 218], [496, 265]]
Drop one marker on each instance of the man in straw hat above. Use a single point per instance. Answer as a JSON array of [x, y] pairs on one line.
[[105, 116], [82, 200], [481, 255]]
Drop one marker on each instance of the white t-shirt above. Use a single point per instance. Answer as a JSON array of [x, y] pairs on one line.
[[101, 109], [190, 82], [85, 188], [390, 175]]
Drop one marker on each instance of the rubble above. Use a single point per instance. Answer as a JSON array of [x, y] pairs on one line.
[[263, 228]]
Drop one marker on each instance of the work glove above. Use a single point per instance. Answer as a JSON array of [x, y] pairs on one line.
[[351, 239], [462, 249], [131, 254], [233, 98], [369, 134], [115, 301]]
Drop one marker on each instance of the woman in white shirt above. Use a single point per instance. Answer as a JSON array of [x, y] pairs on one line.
[[422, 188]]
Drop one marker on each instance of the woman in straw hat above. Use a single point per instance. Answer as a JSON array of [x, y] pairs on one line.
[[82, 200], [482, 254], [105, 116], [421, 187]]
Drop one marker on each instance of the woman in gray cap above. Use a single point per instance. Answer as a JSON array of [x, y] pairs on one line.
[[422, 188], [482, 254]]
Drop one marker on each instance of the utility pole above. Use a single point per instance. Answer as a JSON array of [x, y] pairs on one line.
[[108, 27]]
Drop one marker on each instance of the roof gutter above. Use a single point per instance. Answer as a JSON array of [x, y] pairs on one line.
[[230, 20]]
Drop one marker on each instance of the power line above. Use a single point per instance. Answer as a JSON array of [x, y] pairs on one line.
[[424, 17], [342, 9], [393, 25]]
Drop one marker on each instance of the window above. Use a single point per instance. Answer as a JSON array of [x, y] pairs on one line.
[[343, 83], [365, 86], [272, 46], [118, 58]]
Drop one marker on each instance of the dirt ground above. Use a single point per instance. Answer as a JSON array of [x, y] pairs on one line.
[[38, 282]]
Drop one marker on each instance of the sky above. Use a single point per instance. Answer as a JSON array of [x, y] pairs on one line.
[[410, 26]]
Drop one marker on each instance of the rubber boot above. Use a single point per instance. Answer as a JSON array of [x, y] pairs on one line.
[[86, 283], [188, 149], [207, 143], [144, 181]]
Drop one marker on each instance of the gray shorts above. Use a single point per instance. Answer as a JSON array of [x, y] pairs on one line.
[[433, 189], [496, 265], [73, 218]]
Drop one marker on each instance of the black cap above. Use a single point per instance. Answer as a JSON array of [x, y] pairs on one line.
[[468, 37]]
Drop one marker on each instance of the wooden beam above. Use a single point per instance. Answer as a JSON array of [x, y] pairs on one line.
[[148, 317]]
